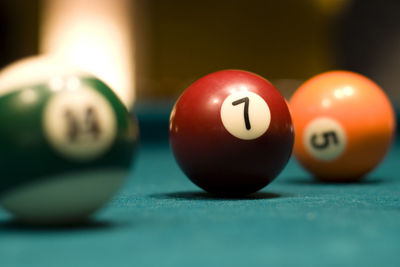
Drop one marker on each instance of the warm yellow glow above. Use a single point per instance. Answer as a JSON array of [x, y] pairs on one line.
[[95, 35], [331, 7]]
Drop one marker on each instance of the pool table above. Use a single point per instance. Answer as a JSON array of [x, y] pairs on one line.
[[161, 219]]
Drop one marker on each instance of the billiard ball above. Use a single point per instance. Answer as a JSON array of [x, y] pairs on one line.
[[344, 125], [231, 132], [67, 142]]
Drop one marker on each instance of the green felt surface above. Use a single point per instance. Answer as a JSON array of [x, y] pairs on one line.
[[161, 219]]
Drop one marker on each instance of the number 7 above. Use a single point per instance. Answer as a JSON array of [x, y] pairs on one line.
[[246, 102]]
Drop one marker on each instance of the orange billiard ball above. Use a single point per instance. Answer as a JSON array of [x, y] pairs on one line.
[[344, 125]]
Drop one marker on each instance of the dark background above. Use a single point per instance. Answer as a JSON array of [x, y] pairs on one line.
[[285, 41]]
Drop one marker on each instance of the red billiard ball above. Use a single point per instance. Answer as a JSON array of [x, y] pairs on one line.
[[231, 132]]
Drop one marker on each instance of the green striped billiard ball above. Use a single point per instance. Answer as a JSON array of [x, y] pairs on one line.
[[66, 143]]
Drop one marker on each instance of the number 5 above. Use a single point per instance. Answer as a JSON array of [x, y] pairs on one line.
[[328, 137]]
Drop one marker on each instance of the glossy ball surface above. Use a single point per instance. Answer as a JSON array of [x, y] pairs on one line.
[[344, 125], [67, 142], [231, 132]]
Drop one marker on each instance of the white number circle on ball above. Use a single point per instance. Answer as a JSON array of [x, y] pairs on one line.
[[325, 139], [80, 124], [245, 115]]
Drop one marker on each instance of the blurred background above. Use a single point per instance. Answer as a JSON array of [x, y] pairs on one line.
[[151, 50]]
